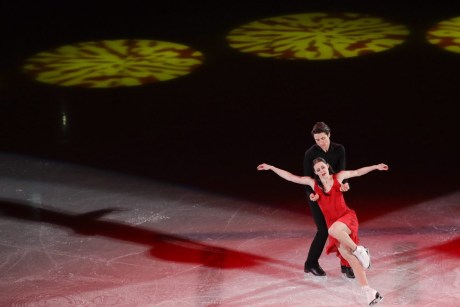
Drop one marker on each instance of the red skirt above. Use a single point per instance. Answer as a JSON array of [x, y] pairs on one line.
[[351, 220]]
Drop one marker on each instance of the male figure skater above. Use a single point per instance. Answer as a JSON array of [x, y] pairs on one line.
[[334, 154]]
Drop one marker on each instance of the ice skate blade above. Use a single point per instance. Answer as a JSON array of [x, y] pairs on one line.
[[369, 253], [315, 278], [344, 277], [378, 298]]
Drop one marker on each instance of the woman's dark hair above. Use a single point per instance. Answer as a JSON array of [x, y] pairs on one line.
[[320, 127], [318, 181]]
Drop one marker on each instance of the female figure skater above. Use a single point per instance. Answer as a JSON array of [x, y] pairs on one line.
[[341, 221]]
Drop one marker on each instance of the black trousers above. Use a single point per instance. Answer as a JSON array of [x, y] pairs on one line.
[[319, 241]]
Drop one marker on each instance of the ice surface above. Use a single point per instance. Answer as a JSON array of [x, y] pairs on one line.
[[75, 236]]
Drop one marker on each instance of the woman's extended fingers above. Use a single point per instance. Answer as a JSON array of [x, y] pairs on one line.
[[262, 167]]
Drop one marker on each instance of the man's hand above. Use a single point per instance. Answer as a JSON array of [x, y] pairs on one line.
[[314, 196]]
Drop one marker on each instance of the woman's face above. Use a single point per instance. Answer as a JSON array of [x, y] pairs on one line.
[[321, 169]]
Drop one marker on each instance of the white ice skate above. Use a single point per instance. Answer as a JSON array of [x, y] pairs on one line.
[[372, 296], [363, 255]]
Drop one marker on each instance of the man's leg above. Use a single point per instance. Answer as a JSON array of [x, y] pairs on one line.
[[317, 245], [345, 267]]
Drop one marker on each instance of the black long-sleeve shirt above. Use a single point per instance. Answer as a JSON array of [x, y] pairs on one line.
[[335, 157]]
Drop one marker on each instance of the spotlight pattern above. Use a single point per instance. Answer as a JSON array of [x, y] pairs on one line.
[[317, 36], [113, 63], [446, 35]]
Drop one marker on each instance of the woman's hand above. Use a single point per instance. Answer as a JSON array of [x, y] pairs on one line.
[[314, 196], [382, 167], [344, 187], [263, 167]]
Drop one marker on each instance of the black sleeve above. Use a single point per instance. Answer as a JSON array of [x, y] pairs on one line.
[[341, 160], [307, 168]]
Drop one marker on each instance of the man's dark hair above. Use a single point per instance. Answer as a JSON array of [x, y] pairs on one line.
[[320, 127]]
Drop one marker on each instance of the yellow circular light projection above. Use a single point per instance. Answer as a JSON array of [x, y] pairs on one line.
[[317, 36], [113, 63], [446, 35]]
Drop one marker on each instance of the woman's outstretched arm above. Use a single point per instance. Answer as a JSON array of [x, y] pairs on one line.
[[286, 175], [361, 171]]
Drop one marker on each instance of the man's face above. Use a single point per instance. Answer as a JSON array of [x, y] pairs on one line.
[[322, 140]]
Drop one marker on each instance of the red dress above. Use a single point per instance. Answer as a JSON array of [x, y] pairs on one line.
[[334, 209]]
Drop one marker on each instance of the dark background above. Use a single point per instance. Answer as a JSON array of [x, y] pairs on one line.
[[210, 129]]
